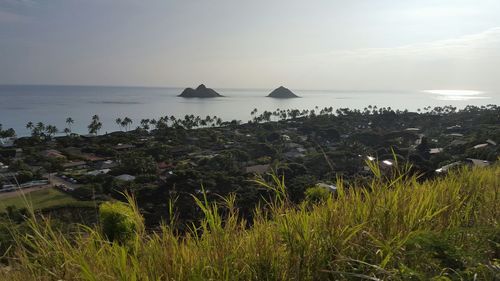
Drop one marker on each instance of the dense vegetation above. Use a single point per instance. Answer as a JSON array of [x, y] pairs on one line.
[[170, 158], [390, 229]]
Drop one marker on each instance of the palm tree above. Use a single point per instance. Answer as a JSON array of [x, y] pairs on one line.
[[39, 129], [153, 122], [197, 121], [67, 131], [127, 122], [30, 126], [70, 122], [145, 124], [118, 121], [162, 123], [51, 130], [95, 125], [208, 119]]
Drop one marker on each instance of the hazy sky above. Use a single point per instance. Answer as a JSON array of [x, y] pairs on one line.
[[327, 44]]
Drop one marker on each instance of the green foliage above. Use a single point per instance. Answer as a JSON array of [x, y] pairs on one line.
[[24, 176], [136, 164], [317, 194], [118, 221], [7, 133]]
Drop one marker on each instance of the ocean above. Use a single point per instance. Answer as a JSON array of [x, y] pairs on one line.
[[20, 104]]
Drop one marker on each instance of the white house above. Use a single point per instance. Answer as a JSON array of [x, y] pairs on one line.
[[7, 142]]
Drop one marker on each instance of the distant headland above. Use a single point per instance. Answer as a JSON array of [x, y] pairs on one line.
[[201, 92], [282, 93]]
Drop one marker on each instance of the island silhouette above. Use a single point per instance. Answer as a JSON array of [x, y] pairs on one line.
[[201, 92], [282, 93]]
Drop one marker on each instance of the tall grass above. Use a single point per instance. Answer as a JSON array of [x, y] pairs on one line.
[[397, 229]]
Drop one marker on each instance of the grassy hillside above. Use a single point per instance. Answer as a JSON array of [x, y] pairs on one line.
[[390, 230], [42, 199]]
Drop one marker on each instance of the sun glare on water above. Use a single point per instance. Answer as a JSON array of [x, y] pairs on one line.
[[457, 95]]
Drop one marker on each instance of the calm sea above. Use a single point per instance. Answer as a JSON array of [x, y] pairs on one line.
[[53, 104]]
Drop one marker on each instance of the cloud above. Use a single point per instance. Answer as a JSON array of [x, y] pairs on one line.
[[466, 62], [478, 45]]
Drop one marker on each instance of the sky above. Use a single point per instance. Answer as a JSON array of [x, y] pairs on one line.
[[314, 44]]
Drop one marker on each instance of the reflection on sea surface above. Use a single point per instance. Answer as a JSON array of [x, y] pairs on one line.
[[457, 95]]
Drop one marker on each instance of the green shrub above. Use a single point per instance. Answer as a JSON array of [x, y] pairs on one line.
[[117, 221], [317, 194]]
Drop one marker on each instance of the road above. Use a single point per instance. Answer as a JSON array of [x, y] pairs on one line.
[[53, 181]]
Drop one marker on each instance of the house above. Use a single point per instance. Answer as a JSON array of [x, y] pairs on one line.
[[125, 177], [482, 145], [387, 163], [91, 157], [370, 158], [446, 168], [3, 167], [123, 147], [455, 127], [74, 165], [99, 172], [330, 187], [88, 136], [469, 161], [477, 162], [386, 166], [52, 153], [257, 169], [491, 142], [285, 138], [412, 129], [435, 150], [7, 142], [458, 143], [106, 164]]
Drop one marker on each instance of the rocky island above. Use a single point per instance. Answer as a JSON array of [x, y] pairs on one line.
[[201, 92], [282, 93]]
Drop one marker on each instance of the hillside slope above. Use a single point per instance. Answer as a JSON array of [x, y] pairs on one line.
[[392, 230]]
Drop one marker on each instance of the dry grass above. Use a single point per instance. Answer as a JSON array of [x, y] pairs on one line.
[[393, 230]]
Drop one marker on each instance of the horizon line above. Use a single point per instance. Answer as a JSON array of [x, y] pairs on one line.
[[219, 88]]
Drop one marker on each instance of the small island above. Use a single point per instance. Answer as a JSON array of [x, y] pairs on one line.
[[201, 92], [282, 93]]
